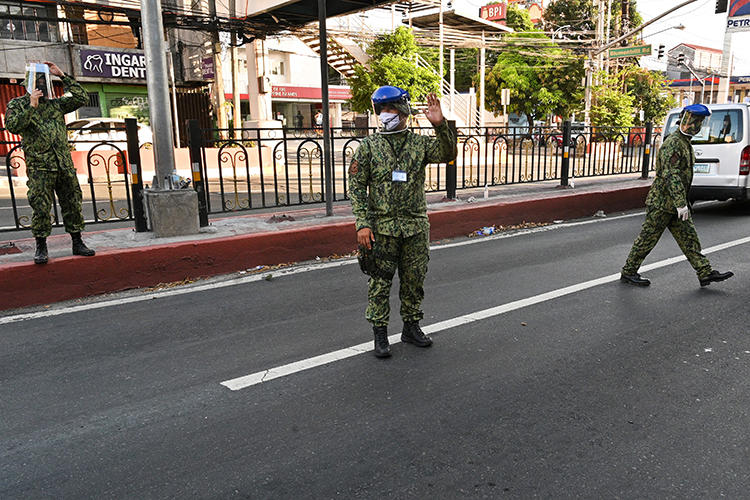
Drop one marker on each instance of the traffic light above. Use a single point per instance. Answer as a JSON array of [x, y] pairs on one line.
[[660, 52], [680, 59], [721, 6]]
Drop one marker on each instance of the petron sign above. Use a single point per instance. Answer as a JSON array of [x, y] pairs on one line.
[[635, 51], [112, 64], [739, 16]]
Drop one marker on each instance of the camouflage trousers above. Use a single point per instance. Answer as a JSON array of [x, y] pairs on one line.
[[409, 256], [683, 232], [42, 184]]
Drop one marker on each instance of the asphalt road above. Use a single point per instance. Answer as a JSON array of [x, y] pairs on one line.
[[607, 391]]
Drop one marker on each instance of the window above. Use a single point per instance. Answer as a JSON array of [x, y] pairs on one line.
[[31, 28], [722, 127], [278, 68], [78, 30]]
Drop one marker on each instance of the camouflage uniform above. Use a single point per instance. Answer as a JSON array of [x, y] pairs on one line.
[[396, 212], [674, 173], [49, 165]]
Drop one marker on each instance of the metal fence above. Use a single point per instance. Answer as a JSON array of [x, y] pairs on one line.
[[258, 168], [103, 172], [247, 169]]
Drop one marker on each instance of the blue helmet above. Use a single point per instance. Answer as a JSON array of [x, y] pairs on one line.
[[692, 118], [698, 110], [395, 96]]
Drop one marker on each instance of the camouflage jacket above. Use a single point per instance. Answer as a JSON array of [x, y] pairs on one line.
[[44, 137], [396, 208], [674, 173]]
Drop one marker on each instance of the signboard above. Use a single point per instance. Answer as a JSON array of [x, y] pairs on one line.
[[635, 51], [207, 68], [739, 16], [314, 93], [113, 64], [493, 12]]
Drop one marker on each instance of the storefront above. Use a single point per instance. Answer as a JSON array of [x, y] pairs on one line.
[[124, 95], [296, 106], [119, 101]]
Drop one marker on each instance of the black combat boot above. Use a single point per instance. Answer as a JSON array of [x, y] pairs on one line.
[[715, 276], [382, 349], [634, 279], [41, 257], [79, 247], [414, 335]]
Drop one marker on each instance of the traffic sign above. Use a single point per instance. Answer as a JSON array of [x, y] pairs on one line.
[[637, 50]]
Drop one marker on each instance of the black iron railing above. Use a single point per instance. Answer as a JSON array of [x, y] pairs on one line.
[[247, 169]]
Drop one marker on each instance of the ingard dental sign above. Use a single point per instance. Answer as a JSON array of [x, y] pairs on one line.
[[110, 64]]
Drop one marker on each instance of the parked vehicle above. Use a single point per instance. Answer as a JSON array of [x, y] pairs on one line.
[[88, 132], [722, 153]]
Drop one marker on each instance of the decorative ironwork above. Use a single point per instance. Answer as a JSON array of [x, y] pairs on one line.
[[232, 158], [309, 155], [470, 144], [96, 159]]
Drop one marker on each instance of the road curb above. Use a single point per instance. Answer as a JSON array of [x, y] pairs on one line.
[[25, 284]]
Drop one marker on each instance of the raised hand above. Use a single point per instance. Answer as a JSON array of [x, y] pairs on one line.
[[434, 113], [54, 69], [34, 97]]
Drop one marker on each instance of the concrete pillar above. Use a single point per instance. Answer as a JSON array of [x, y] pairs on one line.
[[260, 98]]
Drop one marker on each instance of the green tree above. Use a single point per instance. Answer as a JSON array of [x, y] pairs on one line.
[[580, 15], [650, 92], [611, 106], [542, 77], [518, 19], [392, 63]]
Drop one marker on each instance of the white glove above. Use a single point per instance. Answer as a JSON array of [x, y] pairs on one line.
[[683, 213]]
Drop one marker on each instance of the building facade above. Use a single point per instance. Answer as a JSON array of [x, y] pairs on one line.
[[100, 45]]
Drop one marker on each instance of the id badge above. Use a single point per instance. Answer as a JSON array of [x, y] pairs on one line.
[[399, 176]]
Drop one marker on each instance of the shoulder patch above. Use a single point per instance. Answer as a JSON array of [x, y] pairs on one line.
[[354, 167], [675, 158]]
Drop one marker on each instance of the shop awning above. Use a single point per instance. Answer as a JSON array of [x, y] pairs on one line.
[[266, 17]]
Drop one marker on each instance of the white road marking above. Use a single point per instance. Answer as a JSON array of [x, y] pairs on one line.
[[279, 273], [305, 364]]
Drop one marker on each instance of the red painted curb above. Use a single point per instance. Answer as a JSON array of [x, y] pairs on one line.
[[24, 284]]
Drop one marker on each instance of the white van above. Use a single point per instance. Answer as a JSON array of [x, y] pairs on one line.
[[722, 153]]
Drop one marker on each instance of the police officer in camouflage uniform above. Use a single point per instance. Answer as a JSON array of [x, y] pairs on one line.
[[667, 203], [386, 179], [39, 119]]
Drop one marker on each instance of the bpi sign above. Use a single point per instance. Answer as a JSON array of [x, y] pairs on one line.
[[110, 64], [739, 16], [493, 12]]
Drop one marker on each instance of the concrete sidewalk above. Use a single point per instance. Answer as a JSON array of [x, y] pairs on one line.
[[126, 259]]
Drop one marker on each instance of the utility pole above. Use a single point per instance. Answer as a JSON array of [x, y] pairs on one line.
[[218, 90], [592, 63], [596, 50], [236, 104], [171, 212], [726, 69], [453, 80], [440, 21], [483, 58], [158, 92]]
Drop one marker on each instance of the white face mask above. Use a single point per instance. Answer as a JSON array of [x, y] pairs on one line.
[[389, 120]]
